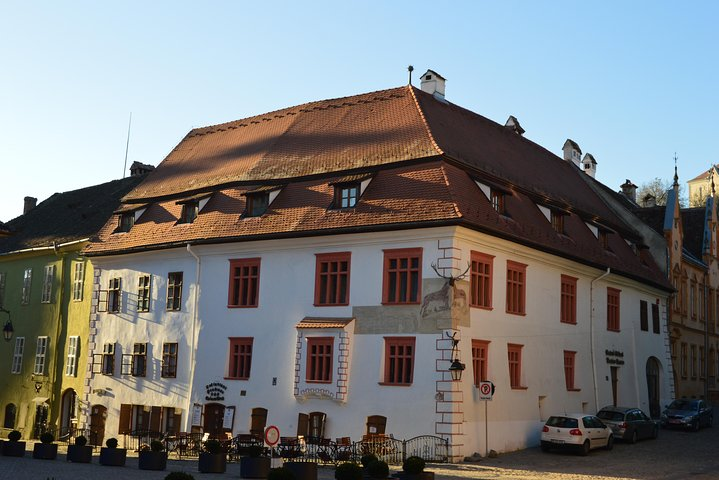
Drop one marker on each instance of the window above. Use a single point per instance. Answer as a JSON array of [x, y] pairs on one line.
[[569, 358], [257, 204], [557, 220], [480, 349], [17, 355], [684, 360], [497, 201], [169, 360], [114, 295], [568, 306], [3, 277], [332, 279], [143, 293], [613, 309], [346, 195], [693, 299], [402, 276], [126, 221], [108, 359], [693, 364], [10, 413], [319, 359], [71, 364], [702, 359], [481, 280], [47, 281], [604, 239], [244, 283], [643, 316], [136, 363], [26, 284], [40, 355], [514, 355], [240, 358], [398, 360], [190, 210], [655, 318], [78, 280], [515, 287], [174, 290]]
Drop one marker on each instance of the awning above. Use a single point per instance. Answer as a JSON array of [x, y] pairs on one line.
[[39, 399], [314, 322]]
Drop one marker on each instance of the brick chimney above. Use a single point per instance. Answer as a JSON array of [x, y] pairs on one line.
[[433, 83], [629, 190], [29, 204]]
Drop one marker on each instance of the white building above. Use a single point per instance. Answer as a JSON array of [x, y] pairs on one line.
[[331, 252]]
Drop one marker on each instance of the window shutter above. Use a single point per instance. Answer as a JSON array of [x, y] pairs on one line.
[[303, 422], [259, 420], [155, 417], [125, 419], [178, 418]]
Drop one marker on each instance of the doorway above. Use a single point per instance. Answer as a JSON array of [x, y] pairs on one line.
[[98, 416], [214, 418], [67, 414], [40, 427], [653, 387], [615, 382]]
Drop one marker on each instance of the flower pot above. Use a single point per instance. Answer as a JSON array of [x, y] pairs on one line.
[[254, 467], [13, 449], [45, 451], [113, 457], [303, 470], [79, 453], [152, 460], [212, 462]]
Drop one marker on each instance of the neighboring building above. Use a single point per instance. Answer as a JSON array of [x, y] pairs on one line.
[[700, 186], [45, 289], [310, 267], [691, 239]]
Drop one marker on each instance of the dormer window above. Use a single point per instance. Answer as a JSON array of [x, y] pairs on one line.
[[498, 201], [257, 204], [604, 239], [346, 195], [189, 211], [127, 220], [557, 220], [127, 216]]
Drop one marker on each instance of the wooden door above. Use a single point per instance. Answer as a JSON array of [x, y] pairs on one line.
[[214, 417], [98, 416]]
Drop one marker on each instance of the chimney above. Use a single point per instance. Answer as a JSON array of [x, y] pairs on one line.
[[649, 200], [137, 169], [513, 125], [30, 203], [572, 152], [590, 165], [433, 83], [629, 190]]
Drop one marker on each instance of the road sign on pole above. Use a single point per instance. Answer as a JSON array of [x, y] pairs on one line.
[[486, 390]]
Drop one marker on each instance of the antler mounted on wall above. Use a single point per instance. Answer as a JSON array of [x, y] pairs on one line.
[[451, 278]]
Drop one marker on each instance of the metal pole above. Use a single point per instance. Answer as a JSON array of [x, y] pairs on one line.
[[486, 430]]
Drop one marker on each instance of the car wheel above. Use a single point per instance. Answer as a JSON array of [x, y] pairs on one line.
[[633, 438], [584, 449], [610, 442], [545, 446]]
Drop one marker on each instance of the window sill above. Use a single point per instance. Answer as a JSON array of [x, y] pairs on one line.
[[331, 304], [568, 323], [242, 306], [613, 330], [385, 384], [519, 314], [388, 304], [481, 307], [519, 388], [237, 378], [321, 382], [574, 389]]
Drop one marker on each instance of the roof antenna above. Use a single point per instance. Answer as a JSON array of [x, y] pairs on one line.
[[676, 177], [410, 69], [127, 146]]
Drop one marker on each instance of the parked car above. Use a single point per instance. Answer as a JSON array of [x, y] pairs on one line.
[[576, 430], [628, 423], [685, 413]]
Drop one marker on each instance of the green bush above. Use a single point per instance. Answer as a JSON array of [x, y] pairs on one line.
[[348, 471], [81, 440], [47, 437], [378, 469], [14, 436], [157, 446], [213, 446], [413, 465], [179, 476], [111, 442], [367, 459], [281, 473]]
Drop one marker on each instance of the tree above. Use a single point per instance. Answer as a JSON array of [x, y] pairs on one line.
[[657, 188]]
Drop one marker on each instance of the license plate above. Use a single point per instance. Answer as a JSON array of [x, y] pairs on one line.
[[557, 441]]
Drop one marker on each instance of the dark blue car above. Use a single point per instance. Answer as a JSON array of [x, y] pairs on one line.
[[685, 413]]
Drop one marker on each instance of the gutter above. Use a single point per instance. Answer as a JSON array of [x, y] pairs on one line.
[[54, 247], [591, 336], [195, 316]]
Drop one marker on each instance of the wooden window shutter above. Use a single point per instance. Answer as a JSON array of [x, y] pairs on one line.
[[155, 417], [125, 419], [178, 418], [376, 424], [303, 422], [259, 420]]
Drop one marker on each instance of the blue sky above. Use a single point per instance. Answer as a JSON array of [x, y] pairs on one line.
[[630, 82]]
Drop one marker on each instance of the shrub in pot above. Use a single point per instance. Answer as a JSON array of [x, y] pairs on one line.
[[348, 471], [79, 452], [212, 459], [368, 458], [153, 459], [46, 449], [13, 447], [378, 469], [280, 473], [179, 476], [303, 470], [413, 469], [112, 456], [256, 464]]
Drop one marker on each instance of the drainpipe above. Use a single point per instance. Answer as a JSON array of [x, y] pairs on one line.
[[193, 346], [591, 336]]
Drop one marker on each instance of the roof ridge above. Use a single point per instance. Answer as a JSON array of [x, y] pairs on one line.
[[424, 120]]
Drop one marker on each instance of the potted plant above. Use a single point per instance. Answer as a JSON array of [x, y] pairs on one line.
[[303, 470], [79, 452], [112, 456], [14, 447], [179, 476], [348, 471], [368, 458], [212, 459], [413, 469], [46, 449], [280, 473], [256, 464], [378, 469], [153, 459]]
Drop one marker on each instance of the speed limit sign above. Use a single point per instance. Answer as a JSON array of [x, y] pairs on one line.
[[486, 390]]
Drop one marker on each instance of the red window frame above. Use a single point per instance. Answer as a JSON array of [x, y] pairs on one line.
[[399, 360], [613, 309], [481, 280], [240, 358], [244, 285], [402, 276], [320, 351], [514, 360], [332, 279], [568, 304], [516, 291], [569, 362], [480, 356]]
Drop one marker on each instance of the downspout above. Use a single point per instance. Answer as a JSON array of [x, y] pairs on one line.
[[193, 346], [591, 336]]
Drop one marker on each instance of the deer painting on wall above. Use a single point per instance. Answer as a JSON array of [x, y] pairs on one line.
[[446, 298]]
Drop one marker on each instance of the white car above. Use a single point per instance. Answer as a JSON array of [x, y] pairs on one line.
[[576, 430]]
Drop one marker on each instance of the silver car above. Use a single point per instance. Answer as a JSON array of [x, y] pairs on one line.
[[628, 423]]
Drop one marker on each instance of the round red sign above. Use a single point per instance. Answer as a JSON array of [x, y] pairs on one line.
[[272, 435]]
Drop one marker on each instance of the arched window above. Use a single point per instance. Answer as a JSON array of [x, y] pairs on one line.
[[10, 412]]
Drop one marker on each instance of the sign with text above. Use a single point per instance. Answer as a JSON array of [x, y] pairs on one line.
[[486, 390]]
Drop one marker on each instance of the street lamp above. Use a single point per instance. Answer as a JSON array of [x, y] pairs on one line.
[[457, 367], [7, 329]]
